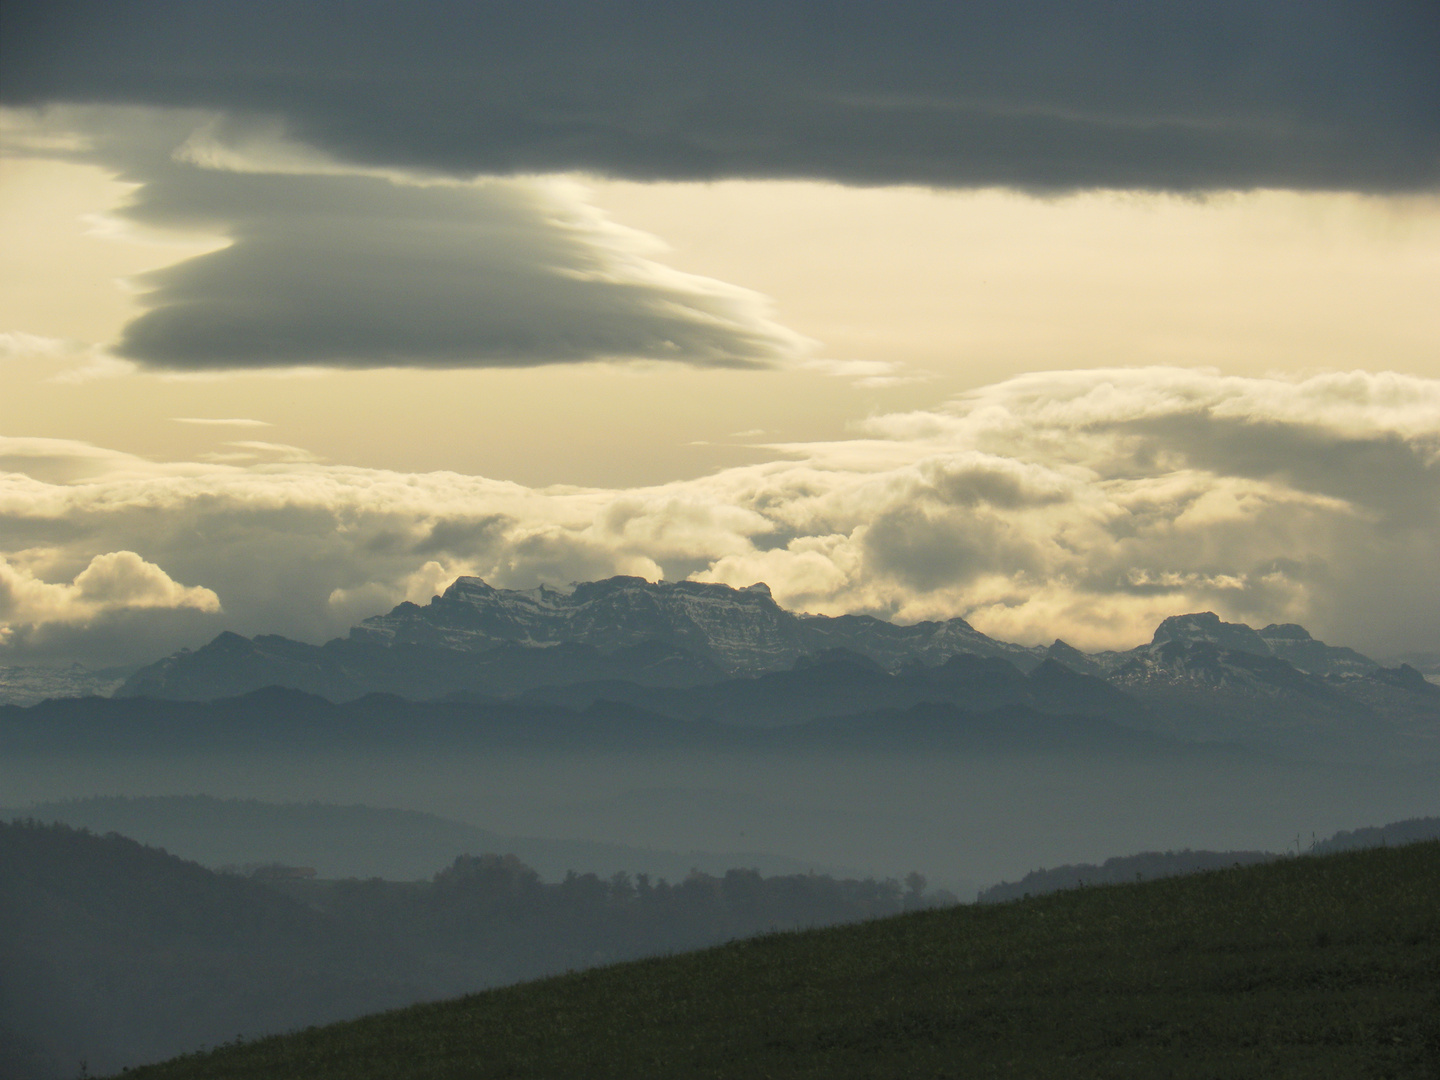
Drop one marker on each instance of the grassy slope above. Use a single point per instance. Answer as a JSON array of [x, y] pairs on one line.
[[1316, 967]]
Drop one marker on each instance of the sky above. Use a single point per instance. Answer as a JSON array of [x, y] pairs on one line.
[[1058, 318]]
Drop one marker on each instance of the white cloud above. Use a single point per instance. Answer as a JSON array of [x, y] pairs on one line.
[[88, 362], [116, 581], [867, 373], [16, 344], [218, 422], [251, 450], [276, 451], [97, 364]]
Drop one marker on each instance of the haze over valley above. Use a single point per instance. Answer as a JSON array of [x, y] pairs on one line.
[[699, 718]]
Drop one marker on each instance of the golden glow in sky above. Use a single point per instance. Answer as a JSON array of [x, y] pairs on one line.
[[910, 295], [1064, 416]]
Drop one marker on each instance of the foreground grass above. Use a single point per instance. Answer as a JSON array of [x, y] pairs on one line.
[[1315, 967]]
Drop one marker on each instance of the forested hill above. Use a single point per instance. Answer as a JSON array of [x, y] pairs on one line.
[[113, 953], [1149, 865], [1120, 870]]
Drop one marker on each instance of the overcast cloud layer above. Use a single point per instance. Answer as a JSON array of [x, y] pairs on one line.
[[1303, 94], [1084, 505]]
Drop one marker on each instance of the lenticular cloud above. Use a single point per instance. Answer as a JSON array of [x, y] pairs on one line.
[[320, 264]]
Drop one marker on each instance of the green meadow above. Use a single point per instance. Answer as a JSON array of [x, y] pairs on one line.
[[1310, 967]]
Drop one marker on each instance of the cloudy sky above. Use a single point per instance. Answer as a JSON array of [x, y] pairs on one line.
[[1061, 318]]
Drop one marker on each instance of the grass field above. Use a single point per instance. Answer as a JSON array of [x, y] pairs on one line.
[[1311, 967]]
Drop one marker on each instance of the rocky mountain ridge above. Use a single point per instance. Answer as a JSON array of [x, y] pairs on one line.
[[479, 639], [738, 630], [1176, 636]]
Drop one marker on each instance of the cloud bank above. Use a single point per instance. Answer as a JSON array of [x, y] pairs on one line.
[[1051, 95], [1085, 505]]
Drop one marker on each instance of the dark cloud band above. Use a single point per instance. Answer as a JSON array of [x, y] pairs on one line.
[[1052, 95]]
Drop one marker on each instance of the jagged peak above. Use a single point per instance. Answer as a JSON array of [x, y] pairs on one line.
[[227, 639], [1207, 626], [464, 590], [1286, 632], [1200, 620], [618, 583]]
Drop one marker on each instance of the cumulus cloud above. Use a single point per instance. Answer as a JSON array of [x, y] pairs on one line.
[[333, 267], [116, 581], [1039, 94], [1086, 505]]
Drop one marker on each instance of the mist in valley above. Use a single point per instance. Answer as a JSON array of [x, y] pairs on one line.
[[963, 821]]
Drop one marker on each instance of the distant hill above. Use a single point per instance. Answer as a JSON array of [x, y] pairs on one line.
[[1304, 967], [1121, 870], [367, 841], [1180, 694], [1153, 864], [1409, 831], [276, 719]]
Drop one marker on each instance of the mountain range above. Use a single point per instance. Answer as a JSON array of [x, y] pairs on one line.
[[707, 652], [478, 638]]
